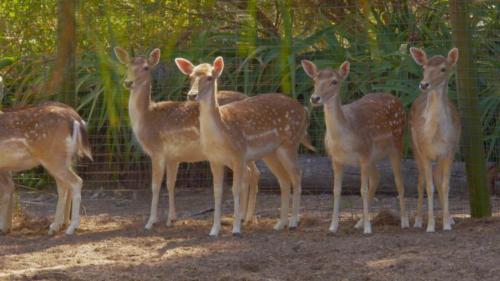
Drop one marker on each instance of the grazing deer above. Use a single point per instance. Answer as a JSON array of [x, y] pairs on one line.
[[435, 133], [168, 132], [359, 134], [268, 127], [48, 135]]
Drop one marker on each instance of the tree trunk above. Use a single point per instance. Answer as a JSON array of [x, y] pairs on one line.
[[63, 78], [472, 140]]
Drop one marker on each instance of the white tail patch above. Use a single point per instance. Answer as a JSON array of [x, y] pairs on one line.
[[75, 138]]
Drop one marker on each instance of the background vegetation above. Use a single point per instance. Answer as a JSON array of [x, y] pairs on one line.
[[262, 43]]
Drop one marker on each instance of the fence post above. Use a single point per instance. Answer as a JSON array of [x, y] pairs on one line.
[[472, 138]]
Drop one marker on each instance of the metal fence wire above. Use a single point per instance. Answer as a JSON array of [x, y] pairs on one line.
[[262, 43]]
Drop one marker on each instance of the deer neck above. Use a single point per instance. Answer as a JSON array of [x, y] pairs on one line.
[[139, 103], [336, 121], [211, 126], [437, 112]]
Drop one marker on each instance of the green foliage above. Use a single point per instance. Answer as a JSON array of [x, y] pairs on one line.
[[261, 41]]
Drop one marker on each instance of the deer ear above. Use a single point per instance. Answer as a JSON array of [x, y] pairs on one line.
[[218, 66], [309, 68], [122, 55], [453, 56], [419, 56], [154, 57], [184, 66], [344, 69]]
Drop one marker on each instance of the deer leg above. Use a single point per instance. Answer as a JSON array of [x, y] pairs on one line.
[[279, 171], [239, 171], [367, 229], [62, 194], [398, 178], [10, 209], [254, 187], [6, 202], [76, 197], [439, 178], [244, 193], [218, 179], [338, 171], [420, 189], [5, 213], [158, 169], [66, 177], [429, 184], [289, 160], [373, 181], [172, 168], [67, 208], [445, 189]]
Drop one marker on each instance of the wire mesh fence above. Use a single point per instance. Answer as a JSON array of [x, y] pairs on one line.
[[262, 43]]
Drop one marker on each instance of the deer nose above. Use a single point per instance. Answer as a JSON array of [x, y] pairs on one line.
[[128, 84], [424, 85], [192, 94], [315, 99]]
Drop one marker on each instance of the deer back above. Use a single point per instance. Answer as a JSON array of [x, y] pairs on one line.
[[265, 120], [33, 135], [378, 120], [225, 97], [173, 127]]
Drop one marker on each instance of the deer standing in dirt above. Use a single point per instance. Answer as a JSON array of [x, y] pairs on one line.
[[168, 132], [267, 126], [49, 135], [359, 134], [435, 133]]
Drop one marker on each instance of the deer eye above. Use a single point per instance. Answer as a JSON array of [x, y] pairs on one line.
[[443, 69], [146, 68], [209, 78], [335, 82]]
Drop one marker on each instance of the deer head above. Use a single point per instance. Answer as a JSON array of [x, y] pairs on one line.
[[436, 69], [327, 82], [138, 68], [203, 77]]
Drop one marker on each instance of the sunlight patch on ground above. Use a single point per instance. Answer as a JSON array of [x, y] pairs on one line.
[[382, 263]]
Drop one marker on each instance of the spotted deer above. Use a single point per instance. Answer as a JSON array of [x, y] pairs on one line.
[[267, 126], [168, 132], [435, 133], [359, 134], [49, 135]]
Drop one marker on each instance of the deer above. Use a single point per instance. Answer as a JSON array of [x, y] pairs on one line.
[[267, 126], [361, 133], [168, 132], [435, 133], [50, 135]]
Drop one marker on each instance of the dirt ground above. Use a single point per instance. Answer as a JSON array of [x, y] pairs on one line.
[[111, 244]]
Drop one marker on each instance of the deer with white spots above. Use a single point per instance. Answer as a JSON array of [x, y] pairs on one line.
[[168, 132], [268, 126], [49, 135], [435, 133], [359, 134]]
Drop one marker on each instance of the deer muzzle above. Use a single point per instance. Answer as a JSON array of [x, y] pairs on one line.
[[423, 85], [315, 100], [192, 95], [128, 84]]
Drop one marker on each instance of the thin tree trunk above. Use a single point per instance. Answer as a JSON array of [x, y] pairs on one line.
[[63, 78], [472, 140]]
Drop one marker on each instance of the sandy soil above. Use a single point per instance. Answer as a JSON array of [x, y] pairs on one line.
[[112, 245]]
